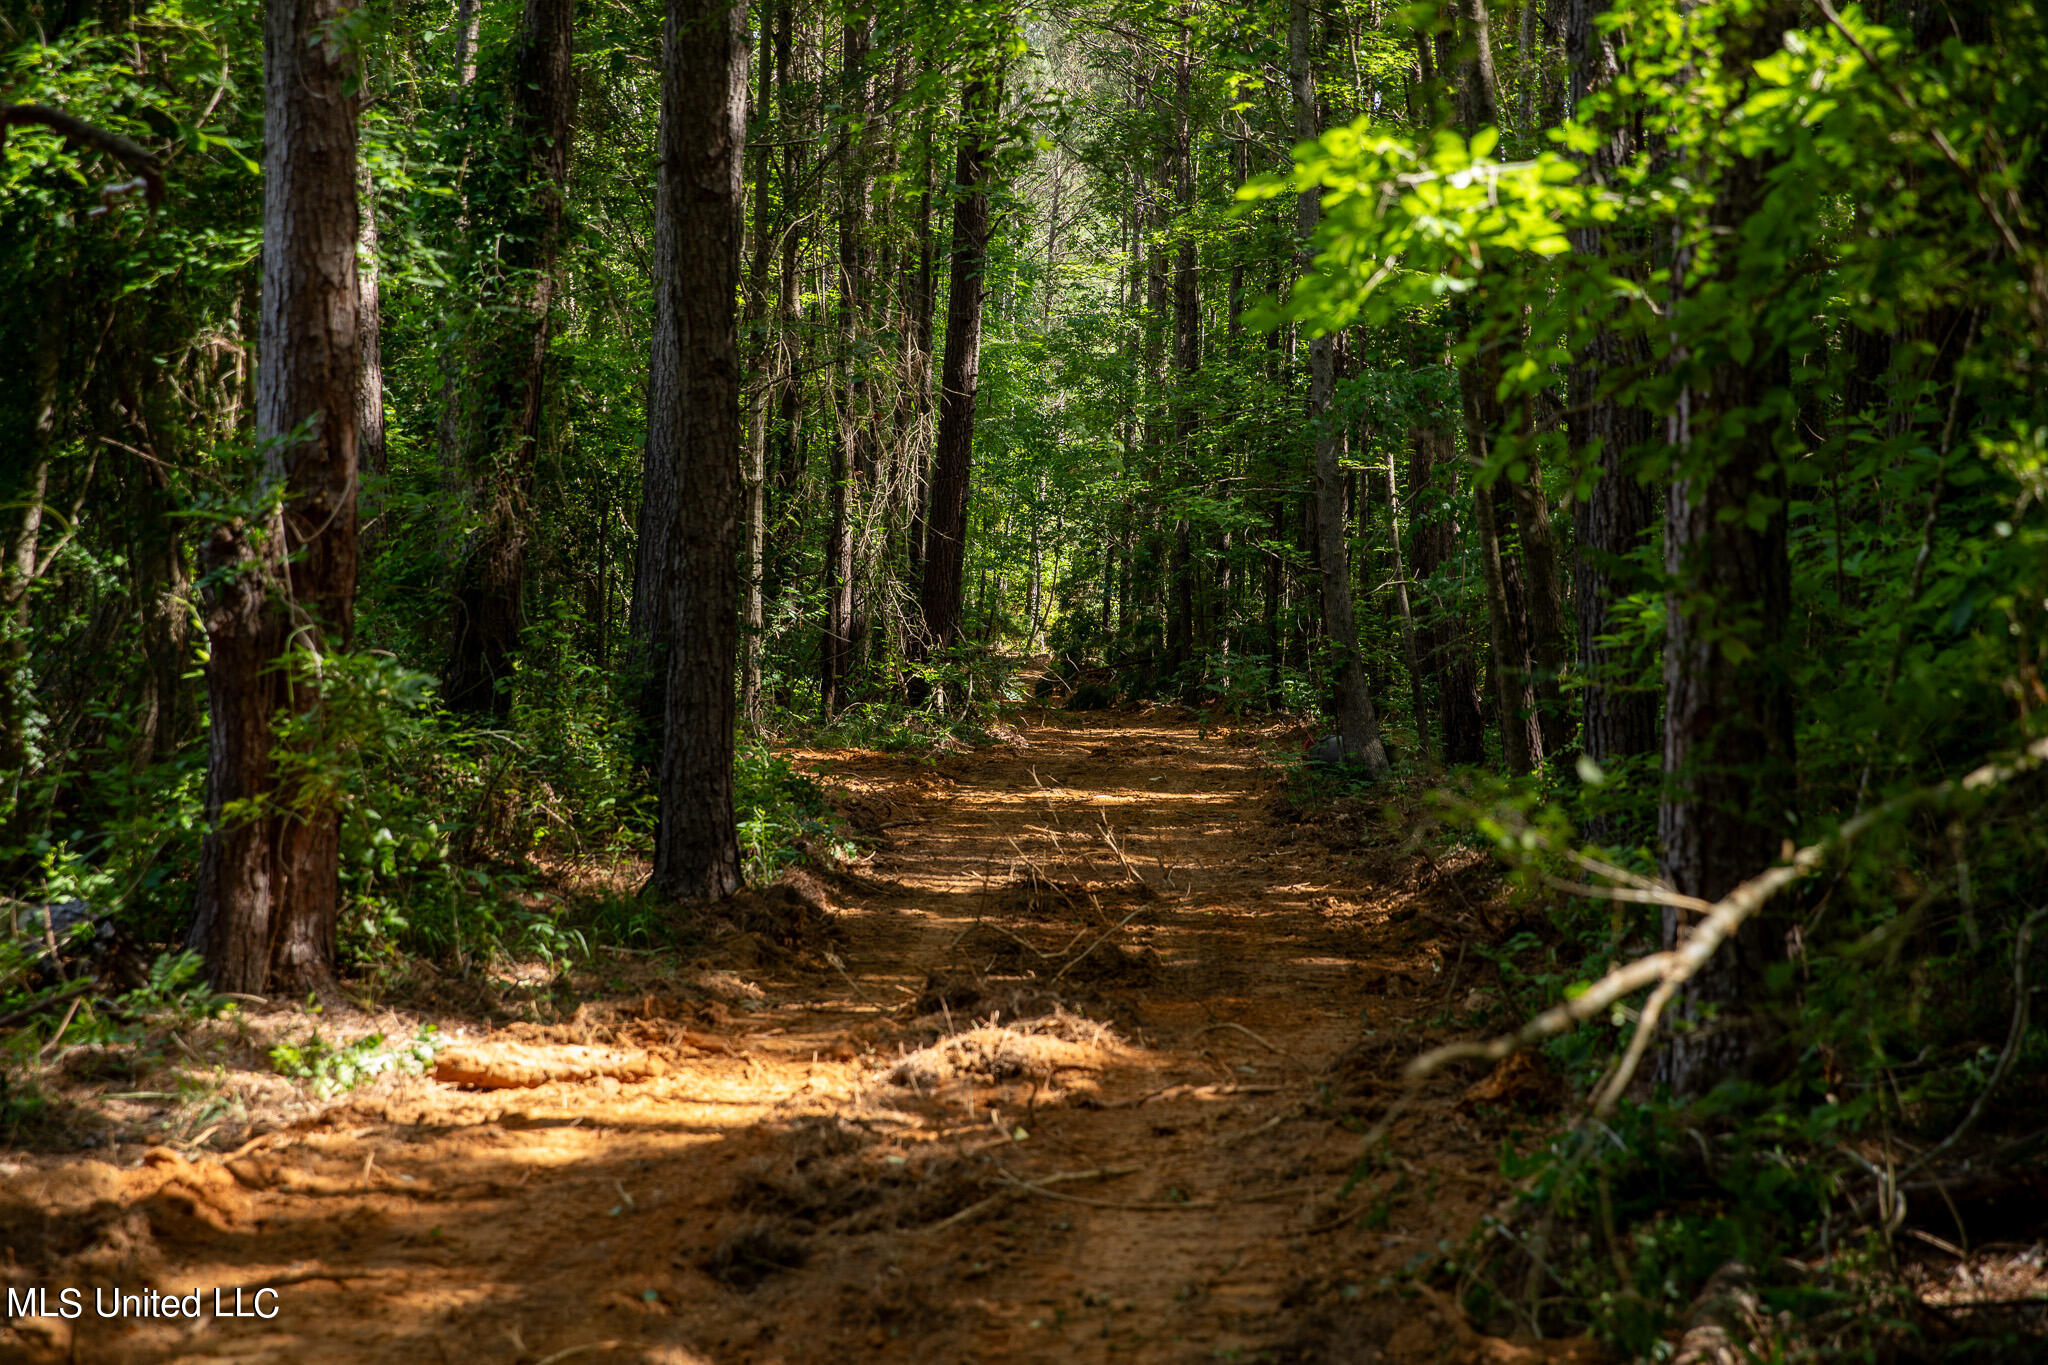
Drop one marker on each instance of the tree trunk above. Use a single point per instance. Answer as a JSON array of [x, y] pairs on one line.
[[754, 490], [1187, 360], [1516, 750], [512, 361], [1731, 777], [923, 306], [370, 456], [785, 460], [960, 371], [1276, 633], [1544, 607], [1479, 87], [1730, 771], [849, 452], [1618, 720], [1409, 655], [694, 440], [23, 564], [1445, 655], [1358, 726], [1507, 628], [157, 558], [468, 17], [268, 887]]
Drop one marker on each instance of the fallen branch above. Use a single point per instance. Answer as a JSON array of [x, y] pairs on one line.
[[27, 1012], [1240, 1028], [1002, 1196], [1633, 894], [584, 1349], [285, 1281], [1183, 1089], [1076, 961], [1110, 838], [1136, 1206]]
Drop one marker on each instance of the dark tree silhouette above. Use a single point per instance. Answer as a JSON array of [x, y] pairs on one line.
[[689, 586]]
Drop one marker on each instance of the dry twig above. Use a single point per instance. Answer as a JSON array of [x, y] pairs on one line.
[[1671, 969]]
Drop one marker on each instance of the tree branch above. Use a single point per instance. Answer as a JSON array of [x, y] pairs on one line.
[[77, 132], [1672, 969]]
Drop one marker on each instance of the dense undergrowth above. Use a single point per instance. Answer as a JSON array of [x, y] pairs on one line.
[[1893, 1128]]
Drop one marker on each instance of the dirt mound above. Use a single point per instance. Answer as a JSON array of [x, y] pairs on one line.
[[1092, 696], [1373, 1066], [830, 1174], [95, 1224], [789, 922], [1030, 1049], [827, 1178]]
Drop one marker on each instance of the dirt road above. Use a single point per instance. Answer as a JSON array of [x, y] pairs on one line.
[[1073, 1072]]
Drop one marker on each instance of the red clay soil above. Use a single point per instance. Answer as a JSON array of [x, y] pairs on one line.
[[1079, 1078]]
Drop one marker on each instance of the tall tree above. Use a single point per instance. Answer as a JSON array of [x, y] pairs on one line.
[[1608, 526], [1543, 599], [852, 450], [1518, 710], [283, 580], [945, 559], [1358, 727], [1731, 778], [1445, 656], [762, 355], [691, 511], [1184, 634], [370, 454], [503, 433]]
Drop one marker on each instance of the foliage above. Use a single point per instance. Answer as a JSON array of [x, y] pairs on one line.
[[780, 810], [1839, 209], [329, 1068]]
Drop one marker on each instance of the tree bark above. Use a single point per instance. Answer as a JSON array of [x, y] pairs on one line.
[[370, 455], [1507, 627], [1544, 606], [762, 357], [1479, 87], [26, 558], [1445, 655], [1516, 751], [468, 18], [1358, 727], [850, 452], [1409, 653], [268, 888], [1618, 720], [960, 370], [1731, 776], [923, 307], [694, 440], [1187, 360], [511, 379]]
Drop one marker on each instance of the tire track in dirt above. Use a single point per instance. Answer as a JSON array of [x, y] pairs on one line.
[[825, 1177]]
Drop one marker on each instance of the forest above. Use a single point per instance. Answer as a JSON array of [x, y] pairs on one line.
[[1403, 646]]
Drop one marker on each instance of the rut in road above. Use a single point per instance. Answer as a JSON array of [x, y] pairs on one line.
[[1072, 1070]]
